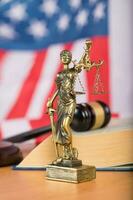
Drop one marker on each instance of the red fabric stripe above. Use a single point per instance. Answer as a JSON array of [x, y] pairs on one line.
[[2, 55], [99, 51], [21, 105], [0, 134], [115, 115]]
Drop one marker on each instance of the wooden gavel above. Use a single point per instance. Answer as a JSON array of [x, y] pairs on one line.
[[91, 116], [87, 117]]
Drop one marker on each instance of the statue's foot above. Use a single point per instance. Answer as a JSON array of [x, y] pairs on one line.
[[63, 162], [58, 161], [74, 153], [70, 153]]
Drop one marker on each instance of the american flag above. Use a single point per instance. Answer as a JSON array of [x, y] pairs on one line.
[[32, 35]]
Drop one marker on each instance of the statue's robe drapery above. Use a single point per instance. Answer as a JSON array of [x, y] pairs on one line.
[[66, 102]]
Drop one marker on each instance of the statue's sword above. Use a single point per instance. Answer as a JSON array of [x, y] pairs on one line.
[[53, 127]]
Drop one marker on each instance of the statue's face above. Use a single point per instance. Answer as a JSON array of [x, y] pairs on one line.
[[66, 58]]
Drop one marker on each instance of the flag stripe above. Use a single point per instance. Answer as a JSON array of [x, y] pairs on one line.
[[22, 102], [2, 55], [15, 67], [44, 83], [15, 126], [1, 135]]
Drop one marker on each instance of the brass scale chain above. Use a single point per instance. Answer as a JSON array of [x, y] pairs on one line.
[[98, 87]]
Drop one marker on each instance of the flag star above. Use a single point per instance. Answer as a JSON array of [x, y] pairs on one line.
[[99, 11], [49, 7], [82, 18], [92, 2], [5, 1], [38, 29], [75, 4], [63, 22], [17, 12], [7, 31]]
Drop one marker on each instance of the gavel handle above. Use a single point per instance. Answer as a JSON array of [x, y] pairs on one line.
[[29, 134]]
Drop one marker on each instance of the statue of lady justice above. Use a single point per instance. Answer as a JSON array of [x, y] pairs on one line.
[[65, 81]]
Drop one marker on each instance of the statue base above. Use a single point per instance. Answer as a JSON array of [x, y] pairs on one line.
[[71, 174], [68, 163]]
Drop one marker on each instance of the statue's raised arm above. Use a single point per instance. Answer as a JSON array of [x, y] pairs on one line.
[[85, 61]]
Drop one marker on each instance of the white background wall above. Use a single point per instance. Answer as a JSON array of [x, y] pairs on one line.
[[121, 55]]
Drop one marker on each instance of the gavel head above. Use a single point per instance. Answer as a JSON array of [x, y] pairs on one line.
[[91, 116]]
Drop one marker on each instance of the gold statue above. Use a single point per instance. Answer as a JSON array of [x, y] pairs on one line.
[[65, 81]]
